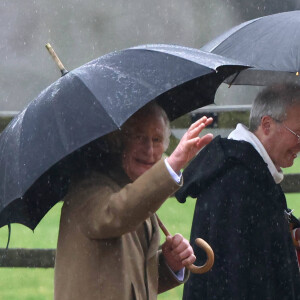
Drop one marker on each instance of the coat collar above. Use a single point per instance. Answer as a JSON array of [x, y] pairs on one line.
[[242, 133]]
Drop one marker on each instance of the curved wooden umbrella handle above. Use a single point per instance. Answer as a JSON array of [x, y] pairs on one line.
[[200, 243], [210, 258]]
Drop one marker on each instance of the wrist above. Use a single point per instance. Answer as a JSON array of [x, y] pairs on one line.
[[174, 164]]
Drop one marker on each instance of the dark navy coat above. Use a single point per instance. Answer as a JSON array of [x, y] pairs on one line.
[[240, 212]]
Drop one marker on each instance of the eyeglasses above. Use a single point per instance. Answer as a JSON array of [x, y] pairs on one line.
[[293, 132], [290, 130]]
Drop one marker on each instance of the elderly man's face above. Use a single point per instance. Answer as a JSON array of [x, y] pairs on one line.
[[144, 144], [283, 145]]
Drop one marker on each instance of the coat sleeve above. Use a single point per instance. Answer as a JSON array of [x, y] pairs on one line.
[[107, 213], [167, 279]]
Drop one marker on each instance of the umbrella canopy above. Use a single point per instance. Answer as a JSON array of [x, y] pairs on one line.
[[270, 44], [88, 103]]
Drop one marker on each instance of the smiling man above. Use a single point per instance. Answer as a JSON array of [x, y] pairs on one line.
[[108, 245], [241, 209], [145, 138]]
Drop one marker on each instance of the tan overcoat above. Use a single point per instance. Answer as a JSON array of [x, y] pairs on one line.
[[109, 238]]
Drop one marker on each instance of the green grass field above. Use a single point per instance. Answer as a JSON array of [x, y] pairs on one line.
[[37, 284]]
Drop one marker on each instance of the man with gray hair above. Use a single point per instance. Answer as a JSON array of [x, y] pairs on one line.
[[241, 210]]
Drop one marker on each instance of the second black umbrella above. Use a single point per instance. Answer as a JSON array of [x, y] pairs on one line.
[[270, 44]]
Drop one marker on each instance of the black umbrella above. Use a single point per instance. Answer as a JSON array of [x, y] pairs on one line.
[[270, 44], [88, 103]]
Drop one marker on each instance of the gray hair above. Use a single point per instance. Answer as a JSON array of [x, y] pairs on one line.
[[273, 101], [152, 108]]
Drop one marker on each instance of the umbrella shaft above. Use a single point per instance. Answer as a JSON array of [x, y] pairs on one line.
[[162, 226]]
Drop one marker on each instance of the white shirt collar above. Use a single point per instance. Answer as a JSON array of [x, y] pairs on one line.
[[241, 133]]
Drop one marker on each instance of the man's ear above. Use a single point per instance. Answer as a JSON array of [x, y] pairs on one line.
[[266, 124]]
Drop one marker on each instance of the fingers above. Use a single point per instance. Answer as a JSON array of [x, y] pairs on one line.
[[204, 120], [190, 144], [191, 133], [177, 252], [198, 143], [209, 121], [182, 250], [168, 241], [177, 239], [198, 126], [167, 245], [189, 260], [206, 139]]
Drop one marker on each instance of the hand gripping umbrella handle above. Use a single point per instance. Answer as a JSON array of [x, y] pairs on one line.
[[200, 243]]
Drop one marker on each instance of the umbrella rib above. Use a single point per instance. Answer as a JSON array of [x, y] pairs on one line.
[[110, 116], [178, 56], [224, 36]]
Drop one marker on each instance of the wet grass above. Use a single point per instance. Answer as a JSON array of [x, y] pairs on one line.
[[36, 284]]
